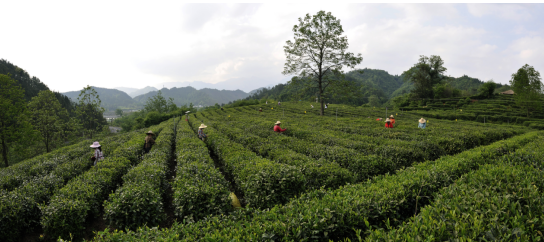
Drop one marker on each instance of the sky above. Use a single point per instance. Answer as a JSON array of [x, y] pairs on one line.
[[71, 44]]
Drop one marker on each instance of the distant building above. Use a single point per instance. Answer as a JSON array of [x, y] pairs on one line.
[[509, 92]]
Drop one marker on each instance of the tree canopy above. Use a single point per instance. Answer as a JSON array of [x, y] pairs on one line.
[[487, 89], [426, 73], [527, 86], [47, 116], [317, 55], [13, 114], [90, 112]]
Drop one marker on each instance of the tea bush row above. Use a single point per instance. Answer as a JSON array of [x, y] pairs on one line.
[[496, 202], [19, 209], [335, 214], [13, 176], [81, 199], [390, 157], [140, 200], [199, 188], [318, 173], [263, 183]]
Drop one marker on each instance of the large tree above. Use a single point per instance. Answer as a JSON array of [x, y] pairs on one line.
[[47, 116], [318, 54], [487, 89], [426, 73], [527, 86], [13, 114], [90, 112], [156, 103]]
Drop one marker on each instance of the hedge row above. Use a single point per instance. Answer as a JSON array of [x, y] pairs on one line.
[[391, 157], [82, 197], [199, 188], [323, 215], [19, 209], [13, 176], [318, 173], [368, 136], [263, 183], [497, 202], [140, 200]]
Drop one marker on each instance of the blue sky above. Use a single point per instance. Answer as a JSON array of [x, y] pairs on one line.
[[71, 44]]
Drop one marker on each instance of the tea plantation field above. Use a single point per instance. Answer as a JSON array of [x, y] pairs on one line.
[[338, 177]]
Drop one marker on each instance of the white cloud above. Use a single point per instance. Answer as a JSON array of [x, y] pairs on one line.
[[71, 44], [514, 12]]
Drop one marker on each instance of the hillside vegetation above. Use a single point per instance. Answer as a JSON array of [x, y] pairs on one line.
[[111, 98], [333, 177], [187, 95], [373, 87]]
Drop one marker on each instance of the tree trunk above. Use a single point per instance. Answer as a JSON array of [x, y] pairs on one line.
[[5, 151], [46, 145], [321, 98]]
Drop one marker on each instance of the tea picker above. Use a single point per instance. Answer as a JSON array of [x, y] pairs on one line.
[[98, 155], [422, 123], [201, 134], [149, 141], [392, 119], [277, 127], [187, 115], [388, 123]]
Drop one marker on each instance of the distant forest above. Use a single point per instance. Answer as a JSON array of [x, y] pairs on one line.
[[373, 87]]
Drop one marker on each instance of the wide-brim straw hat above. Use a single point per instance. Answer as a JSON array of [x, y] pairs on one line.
[[422, 120], [150, 132], [202, 126], [95, 145], [278, 122], [391, 116], [387, 120], [188, 112]]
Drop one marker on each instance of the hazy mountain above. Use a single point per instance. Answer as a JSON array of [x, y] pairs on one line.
[[197, 85], [127, 90], [186, 95], [259, 89], [111, 98], [142, 91], [133, 92]]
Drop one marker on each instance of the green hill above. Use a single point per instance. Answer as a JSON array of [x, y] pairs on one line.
[[31, 85], [372, 84], [111, 98], [187, 95]]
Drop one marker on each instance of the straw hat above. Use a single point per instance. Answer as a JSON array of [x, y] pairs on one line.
[[95, 145], [387, 120], [202, 126], [391, 116], [278, 122], [422, 120], [150, 132]]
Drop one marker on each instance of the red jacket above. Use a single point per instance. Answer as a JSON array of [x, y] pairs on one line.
[[388, 125], [278, 129]]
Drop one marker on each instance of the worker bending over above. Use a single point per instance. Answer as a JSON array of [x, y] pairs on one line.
[[201, 134], [388, 123], [277, 127], [422, 123]]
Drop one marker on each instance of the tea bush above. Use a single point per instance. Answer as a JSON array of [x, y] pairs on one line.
[[140, 200], [200, 189]]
